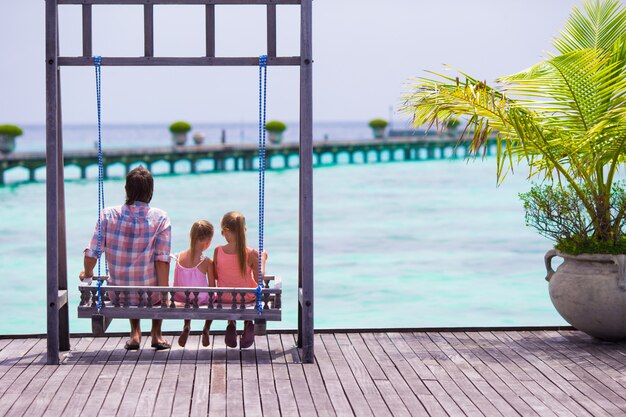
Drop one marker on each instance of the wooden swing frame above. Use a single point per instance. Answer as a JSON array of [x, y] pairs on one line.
[[56, 266]]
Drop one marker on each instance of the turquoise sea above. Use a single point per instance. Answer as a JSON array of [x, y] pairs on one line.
[[403, 244]]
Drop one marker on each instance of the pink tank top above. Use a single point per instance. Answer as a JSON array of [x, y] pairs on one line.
[[190, 277], [229, 274]]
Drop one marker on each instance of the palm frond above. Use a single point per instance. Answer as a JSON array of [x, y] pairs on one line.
[[598, 27]]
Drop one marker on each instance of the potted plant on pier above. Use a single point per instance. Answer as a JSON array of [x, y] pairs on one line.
[[565, 117], [378, 126], [275, 129], [179, 132], [8, 133]]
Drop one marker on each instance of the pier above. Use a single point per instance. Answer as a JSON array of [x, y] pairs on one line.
[[463, 372], [243, 157]]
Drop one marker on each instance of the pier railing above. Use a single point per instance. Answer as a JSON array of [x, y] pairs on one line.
[[244, 157]]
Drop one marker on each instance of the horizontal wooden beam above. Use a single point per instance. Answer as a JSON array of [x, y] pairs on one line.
[[180, 2], [182, 61]]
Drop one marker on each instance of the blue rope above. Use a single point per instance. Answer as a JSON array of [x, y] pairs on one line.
[[97, 60], [262, 112]]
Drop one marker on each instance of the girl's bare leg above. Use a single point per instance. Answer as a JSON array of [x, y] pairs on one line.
[[205, 333], [182, 339]]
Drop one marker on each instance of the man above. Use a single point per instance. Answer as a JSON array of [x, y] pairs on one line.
[[136, 240]]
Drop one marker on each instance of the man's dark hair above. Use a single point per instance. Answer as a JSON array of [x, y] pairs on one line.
[[139, 185]]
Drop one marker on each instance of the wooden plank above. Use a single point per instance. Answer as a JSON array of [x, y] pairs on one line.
[[606, 357], [179, 61], [202, 382], [407, 384], [19, 376], [80, 395], [301, 389], [360, 405], [217, 392], [4, 343], [413, 358], [267, 389], [600, 382], [314, 379], [16, 351], [138, 381], [448, 373], [167, 390], [250, 382], [234, 384], [40, 392], [497, 376], [331, 380], [284, 389], [66, 396], [538, 392], [572, 388], [121, 379], [418, 387]]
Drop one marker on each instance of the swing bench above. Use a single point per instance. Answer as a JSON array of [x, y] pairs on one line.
[[116, 305], [103, 303]]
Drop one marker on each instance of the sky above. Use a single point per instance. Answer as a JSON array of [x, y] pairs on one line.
[[365, 53]]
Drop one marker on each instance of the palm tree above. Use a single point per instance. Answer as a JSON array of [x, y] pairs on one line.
[[565, 116]]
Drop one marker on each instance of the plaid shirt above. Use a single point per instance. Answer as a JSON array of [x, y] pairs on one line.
[[133, 238]]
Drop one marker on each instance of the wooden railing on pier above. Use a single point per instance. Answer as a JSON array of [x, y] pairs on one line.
[[243, 157]]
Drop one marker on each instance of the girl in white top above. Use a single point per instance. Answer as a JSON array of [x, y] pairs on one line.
[[193, 269]]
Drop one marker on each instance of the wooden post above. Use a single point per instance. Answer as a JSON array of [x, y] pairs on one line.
[[210, 30], [87, 32], [52, 197], [271, 30], [148, 30], [64, 318], [305, 275]]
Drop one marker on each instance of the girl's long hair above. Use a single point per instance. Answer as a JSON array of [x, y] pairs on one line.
[[236, 223], [200, 230]]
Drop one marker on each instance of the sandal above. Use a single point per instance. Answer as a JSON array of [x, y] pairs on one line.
[[161, 345], [131, 345]]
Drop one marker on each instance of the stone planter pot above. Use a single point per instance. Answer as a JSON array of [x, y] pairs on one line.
[[379, 132], [198, 138], [7, 144], [275, 137], [589, 292], [179, 139]]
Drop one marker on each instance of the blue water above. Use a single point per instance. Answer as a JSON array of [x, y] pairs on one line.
[[404, 244]]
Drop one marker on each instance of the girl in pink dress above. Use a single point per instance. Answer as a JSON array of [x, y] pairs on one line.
[[236, 266], [193, 269]]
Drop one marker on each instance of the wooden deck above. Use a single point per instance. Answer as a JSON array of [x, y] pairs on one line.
[[492, 373]]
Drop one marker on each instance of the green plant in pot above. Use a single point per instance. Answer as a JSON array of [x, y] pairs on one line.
[[566, 118], [8, 133], [275, 129], [179, 132], [378, 127]]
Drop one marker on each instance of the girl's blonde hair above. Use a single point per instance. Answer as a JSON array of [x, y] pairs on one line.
[[200, 230], [234, 222]]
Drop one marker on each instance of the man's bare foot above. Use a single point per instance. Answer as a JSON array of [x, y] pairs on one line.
[[182, 339], [205, 337]]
